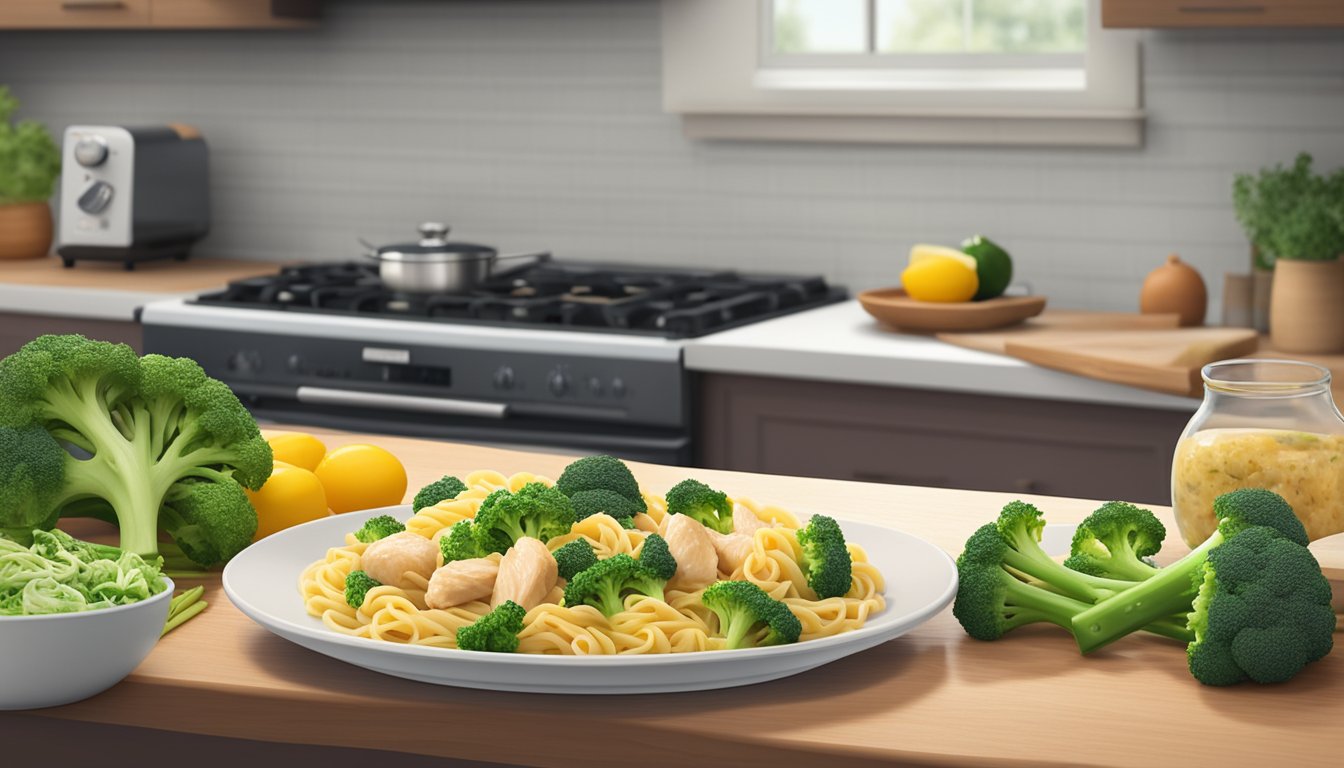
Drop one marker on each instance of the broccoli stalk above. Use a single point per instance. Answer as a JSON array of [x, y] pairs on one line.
[[379, 527], [1171, 589], [536, 510], [826, 562], [1115, 540], [496, 631], [443, 489], [744, 609], [703, 504], [150, 443]]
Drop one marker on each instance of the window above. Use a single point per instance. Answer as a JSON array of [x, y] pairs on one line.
[[945, 71]]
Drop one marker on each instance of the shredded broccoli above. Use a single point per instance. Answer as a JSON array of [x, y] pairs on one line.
[[496, 631], [826, 562], [379, 527], [703, 504], [601, 472], [88, 428], [357, 586], [443, 489], [749, 617]]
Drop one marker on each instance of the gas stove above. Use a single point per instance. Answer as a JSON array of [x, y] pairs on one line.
[[672, 303], [555, 355]]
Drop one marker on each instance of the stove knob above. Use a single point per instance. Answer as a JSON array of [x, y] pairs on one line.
[[503, 378], [91, 151], [618, 387], [595, 386], [558, 383], [245, 362], [96, 198]]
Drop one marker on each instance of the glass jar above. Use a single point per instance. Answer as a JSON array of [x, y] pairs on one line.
[[1263, 424]]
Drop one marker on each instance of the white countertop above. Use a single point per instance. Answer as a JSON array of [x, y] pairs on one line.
[[65, 301], [842, 343]]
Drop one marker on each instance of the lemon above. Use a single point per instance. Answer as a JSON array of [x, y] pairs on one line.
[[297, 448], [923, 252], [940, 279]]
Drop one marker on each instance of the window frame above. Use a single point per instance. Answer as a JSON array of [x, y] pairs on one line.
[[714, 77]]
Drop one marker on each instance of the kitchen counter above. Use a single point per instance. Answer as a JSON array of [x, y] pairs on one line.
[[930, 697], [842, 343], [106, 290]]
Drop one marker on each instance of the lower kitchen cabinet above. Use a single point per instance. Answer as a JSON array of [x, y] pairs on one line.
[[940, 439], [19, 329]]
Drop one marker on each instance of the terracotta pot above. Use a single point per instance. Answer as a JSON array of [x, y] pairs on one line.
[[25, 231], [1306, 309]]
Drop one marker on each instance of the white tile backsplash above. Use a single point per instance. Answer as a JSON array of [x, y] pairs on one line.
[[537, 124]]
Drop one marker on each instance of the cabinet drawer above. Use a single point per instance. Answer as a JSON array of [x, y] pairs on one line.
[[73, 14], [1221, 13]]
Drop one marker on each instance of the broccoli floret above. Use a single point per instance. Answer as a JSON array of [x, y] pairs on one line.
[[744, 609], [149, 443], [601, 472], [701, 503], [826, 562], [1005, 580], [1115, 541], [379, 527], [443, 489], [603, 584], [460, 543], [496, 631], [628, 523], [574, 557], [357, 586], [1171, 589], [536, 510], [600, 501], [656, 558]]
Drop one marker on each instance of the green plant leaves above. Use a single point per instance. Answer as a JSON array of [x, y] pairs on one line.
[[29, 158]]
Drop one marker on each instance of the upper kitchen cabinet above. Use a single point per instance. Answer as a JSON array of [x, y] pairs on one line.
[[157, 14], [1221, 13]]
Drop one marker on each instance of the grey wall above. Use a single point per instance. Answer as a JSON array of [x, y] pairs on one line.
[[538, 123]]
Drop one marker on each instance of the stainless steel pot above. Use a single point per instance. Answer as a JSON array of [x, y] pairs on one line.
[[435, 265]]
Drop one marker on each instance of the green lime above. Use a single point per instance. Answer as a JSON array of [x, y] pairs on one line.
[[993, 266]]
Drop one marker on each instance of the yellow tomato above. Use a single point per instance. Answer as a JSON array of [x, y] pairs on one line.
[[301, 450], [291, 495], [361, 477]]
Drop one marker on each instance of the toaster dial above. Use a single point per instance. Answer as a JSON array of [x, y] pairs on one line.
[[91, 151], [96, 198]]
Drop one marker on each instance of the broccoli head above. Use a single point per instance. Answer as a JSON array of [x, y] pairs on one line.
[[701, 503], [379, 527], [536, 510], [496, 631], [574, 557], [142, 442], [826, 562], [656, 558], [1116, 540], [443, 489], [603, 584], [460, 543], [600, 501], [357, 586], [601, 472], [748, 617], [1172, 589]]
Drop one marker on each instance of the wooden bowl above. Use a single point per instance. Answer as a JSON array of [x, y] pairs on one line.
[[893, 307]]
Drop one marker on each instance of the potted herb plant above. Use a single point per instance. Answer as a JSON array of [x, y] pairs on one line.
[[29, 165], [1296, 218]]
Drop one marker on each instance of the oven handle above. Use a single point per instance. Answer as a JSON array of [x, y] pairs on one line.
[[389, 402]]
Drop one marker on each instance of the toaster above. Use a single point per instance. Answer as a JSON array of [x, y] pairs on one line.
[[132, 194]]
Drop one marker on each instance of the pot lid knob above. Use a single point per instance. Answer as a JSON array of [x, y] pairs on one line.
[[434, 233]]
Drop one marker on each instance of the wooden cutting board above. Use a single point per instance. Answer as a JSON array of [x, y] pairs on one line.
[[1058, 320], [1163, 360]]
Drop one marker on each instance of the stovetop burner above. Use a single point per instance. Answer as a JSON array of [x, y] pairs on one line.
[[675, 303]]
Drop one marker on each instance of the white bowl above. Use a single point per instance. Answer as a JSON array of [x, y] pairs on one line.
[[46, 661]]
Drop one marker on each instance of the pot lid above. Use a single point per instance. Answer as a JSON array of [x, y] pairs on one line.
[[433, 246]]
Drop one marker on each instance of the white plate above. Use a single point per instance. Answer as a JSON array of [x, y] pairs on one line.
[[263, 582]]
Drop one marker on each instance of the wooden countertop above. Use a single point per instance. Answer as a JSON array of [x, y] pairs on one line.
[[931, 697]]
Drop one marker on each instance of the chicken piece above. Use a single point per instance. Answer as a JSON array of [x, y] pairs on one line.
[[527, 574], [746, 522], [732, 549], [462, 581], [692, 548], [389, 559]]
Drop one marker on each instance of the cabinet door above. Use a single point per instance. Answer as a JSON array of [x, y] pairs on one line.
[[222, 14], [75, 14], [1221, 13], [937, 439]]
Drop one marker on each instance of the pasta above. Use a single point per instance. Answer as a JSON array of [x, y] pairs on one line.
[[678, 624]]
